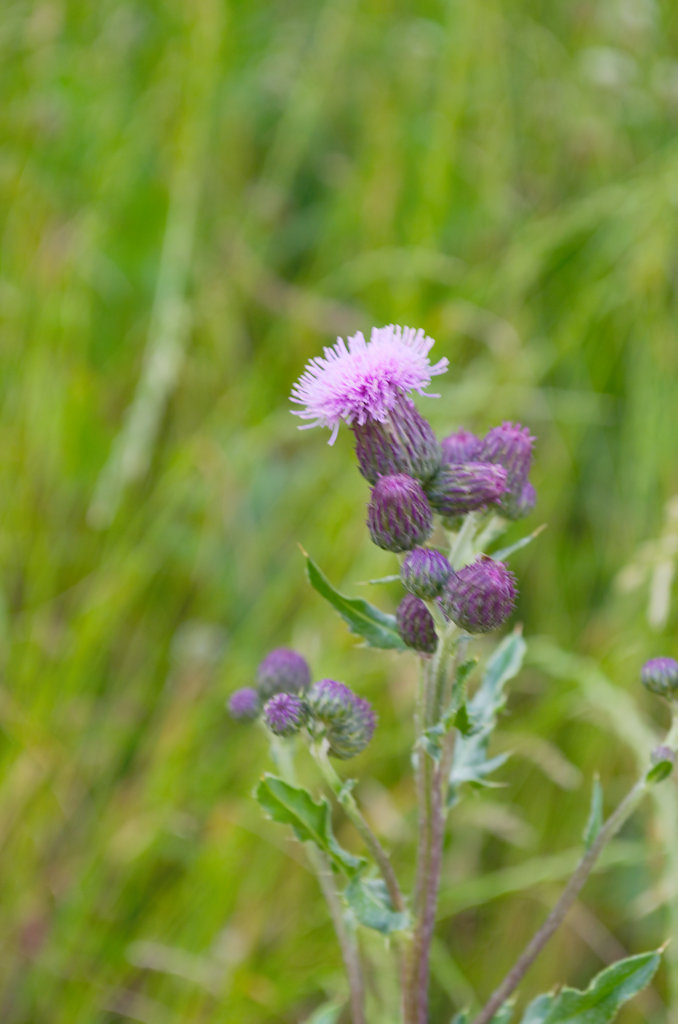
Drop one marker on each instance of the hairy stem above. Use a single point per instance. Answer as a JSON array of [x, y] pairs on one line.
[[345, 937], [568, 896], [347, 801], [350, 954]]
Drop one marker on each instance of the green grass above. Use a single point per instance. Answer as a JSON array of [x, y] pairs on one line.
[[195, 198]]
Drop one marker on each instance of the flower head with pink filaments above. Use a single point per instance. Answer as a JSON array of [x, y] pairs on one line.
[[362, 381]]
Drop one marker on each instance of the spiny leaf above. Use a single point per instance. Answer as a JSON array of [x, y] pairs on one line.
[[599, 1003], [369, 900], [363, 619], [471, 764], [310, 819]]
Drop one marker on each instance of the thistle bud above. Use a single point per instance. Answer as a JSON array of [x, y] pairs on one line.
[[660, 676], [425, 572], [526, 501], [399, 516], [458, 489], [510, 446], [403, 443], [415, 625], [462, 446], [330, 700], [285, 714], [282, 671], [346, 720], [481, 596], [244, 704]]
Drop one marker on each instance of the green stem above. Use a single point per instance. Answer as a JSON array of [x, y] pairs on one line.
[[347, 801], [283, 758]]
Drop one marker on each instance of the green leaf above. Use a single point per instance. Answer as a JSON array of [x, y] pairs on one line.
[[471, 764], [310, 819], [537, 1010], [595, 818], [505, 1014], [327, 1014], [660, 771], [504, 553], [363, 619], [599, 1004], [460, 1018], [369, 900]]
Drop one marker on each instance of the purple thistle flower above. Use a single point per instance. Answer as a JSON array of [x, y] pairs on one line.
[[285, 714], [425, 572], [660, 675], [346, 720], [458, 489], [282, 671], [403, 443], [244, 704], [415, 624], [398, 516], [363, 381], [481, 596], [510, 445], [462, 446]]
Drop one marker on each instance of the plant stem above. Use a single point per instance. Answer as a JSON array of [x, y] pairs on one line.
[[568, 896], [347, 801], [345, 937], [284, 762]]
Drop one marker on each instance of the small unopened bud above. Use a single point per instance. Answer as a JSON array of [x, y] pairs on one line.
[[458, 489], [462, 446], [399, 516], [526, 502], [244, 704], [481, 596], [425, 572], [403, 443], [660, 675], [285, 714], [346, 720], [415, 625], [510, 446], [282, 671]]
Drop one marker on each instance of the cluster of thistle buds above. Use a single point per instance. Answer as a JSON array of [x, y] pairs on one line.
[[468, 474], [287, 703]]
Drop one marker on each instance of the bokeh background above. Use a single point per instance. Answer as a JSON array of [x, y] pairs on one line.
[[196, 197]]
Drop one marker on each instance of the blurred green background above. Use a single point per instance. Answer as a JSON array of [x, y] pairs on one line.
[[195, 199]]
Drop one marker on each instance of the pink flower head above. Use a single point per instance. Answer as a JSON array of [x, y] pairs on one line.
[[363, 380]]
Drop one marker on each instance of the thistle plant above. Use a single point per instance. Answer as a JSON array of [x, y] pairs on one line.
[[440, 507]]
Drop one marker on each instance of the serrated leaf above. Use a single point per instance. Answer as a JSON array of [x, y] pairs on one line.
[[363, 619], [311, 820], [369, 900], [599, 1003], [595, 818], [471, 764]]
